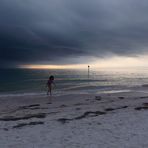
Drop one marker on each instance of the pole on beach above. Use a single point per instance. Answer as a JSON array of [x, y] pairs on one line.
[[88, 71]]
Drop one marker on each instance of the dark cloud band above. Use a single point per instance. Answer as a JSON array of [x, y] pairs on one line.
[[35, 31]]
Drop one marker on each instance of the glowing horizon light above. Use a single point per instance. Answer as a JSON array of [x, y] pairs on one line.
[[121, 61], [78, 66], [112, 62]]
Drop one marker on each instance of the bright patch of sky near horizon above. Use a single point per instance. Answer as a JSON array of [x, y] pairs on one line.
[[113, 62]]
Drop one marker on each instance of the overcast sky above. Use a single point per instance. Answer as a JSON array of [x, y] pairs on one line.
[[63, 31]]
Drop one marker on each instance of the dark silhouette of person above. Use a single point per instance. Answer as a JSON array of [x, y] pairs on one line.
[[49, 84]]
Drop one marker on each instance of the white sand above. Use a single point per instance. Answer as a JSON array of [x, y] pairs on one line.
[[123, 127]]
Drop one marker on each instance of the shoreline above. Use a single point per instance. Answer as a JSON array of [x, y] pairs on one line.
[[62, 93]]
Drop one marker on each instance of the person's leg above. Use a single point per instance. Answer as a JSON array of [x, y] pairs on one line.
[[50, 98], [50, 91]]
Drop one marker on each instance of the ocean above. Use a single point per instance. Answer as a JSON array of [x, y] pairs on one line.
[[33, 82]]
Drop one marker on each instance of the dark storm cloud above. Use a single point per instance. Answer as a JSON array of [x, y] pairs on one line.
[[50, 31]]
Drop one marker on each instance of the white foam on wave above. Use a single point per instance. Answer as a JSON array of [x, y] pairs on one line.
[[21, 94], [37, 94], [115, 91]]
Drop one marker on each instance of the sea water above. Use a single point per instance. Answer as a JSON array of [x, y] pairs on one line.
[[33, 82]]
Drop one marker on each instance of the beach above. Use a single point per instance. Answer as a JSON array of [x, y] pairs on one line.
[[73, 74], [107, 120]]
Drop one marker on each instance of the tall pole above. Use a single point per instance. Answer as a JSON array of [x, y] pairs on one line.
[[88, 71]]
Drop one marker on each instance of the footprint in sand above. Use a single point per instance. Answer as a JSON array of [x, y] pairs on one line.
[[27, 124], [98, 98], [145, 106]]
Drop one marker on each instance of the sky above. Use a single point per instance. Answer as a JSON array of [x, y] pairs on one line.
[[73, 32]]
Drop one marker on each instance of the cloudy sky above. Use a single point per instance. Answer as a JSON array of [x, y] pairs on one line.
[[71, 31]]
